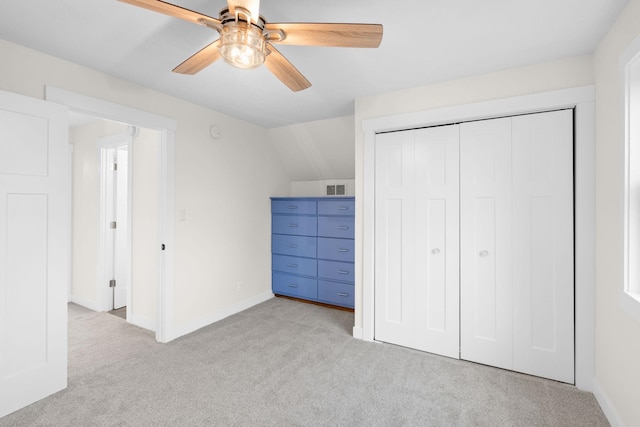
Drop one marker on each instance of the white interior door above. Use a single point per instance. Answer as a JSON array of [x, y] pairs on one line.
[[417, 234], [486, 264], [543, 282], [34, 254], [115, 220], [121, 256]]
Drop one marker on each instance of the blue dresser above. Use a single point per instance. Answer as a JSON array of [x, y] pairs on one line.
[[312, 248]]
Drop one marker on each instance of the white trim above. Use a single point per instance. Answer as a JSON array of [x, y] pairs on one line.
[[167, 127], [84, 302], [628, 298], [605, 403], [107, 110], [222, 314], [166, 177], [580, 98], [357, 332], [142, 322]]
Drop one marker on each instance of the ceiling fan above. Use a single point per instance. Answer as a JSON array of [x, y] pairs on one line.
[[246, 39]]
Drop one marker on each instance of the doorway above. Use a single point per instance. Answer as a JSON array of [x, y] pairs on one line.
[[163, 210]]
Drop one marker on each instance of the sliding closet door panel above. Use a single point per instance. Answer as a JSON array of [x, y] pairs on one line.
[[543, 256], [416, 296], [486, 334]]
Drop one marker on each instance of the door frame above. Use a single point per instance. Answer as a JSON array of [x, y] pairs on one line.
[[166, 171], [103, 292], [582, 99]]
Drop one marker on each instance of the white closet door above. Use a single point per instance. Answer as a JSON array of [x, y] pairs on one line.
[[416, 228], [486, 333], [542, 152]]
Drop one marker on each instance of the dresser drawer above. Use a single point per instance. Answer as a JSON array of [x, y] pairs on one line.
[[295, 224], [336, 270], [294, 286], [290, 264], [336, 293], [302, 207], [335, 226], [335, 249], [336, 207], [293, 245]]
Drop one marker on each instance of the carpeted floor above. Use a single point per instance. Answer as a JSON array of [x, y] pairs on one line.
[[286, 363]]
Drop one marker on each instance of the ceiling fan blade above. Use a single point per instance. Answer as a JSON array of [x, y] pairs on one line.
[[284, 70], [176, 12], [200, 60], [253, 6], [319, 34]]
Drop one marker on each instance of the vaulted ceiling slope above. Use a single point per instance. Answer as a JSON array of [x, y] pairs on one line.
[[424, 41]]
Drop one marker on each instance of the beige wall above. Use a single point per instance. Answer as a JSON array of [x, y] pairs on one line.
[[617, 333], [144, 228], [222, 260], [318, 150]]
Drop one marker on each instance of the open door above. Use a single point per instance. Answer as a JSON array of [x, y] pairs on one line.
[[34, 254], [115, 218]]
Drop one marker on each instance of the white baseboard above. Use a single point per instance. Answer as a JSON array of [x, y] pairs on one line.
[[87, 303], [220, 314], [357, 332], [141, 322], [608, 409]]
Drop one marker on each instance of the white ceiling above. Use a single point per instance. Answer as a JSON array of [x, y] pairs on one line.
[[425, 41]]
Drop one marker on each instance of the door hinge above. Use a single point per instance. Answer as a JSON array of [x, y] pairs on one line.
[[114, 167], [113, 225], [112, 283]]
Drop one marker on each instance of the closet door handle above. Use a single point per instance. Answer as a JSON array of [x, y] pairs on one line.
[[436, 251], [484, 253]]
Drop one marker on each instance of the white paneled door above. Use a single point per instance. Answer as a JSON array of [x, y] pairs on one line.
[[34, 250], [416, 256], [486, 327], [476, 219], [543, 258]]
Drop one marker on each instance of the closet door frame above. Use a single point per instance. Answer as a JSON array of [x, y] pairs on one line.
[[582, 100]]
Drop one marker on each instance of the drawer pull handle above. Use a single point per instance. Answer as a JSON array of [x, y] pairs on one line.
[[343, 250], [293, 225], [292, 265], [343, 227], [292, 207], [343, 208], [293, 285], [343, 294], [292, 245], [343, 272]]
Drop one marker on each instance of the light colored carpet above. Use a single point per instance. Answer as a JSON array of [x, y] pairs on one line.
[[286, 363]]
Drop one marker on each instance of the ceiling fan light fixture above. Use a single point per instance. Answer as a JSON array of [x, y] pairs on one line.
[[242, 45]]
